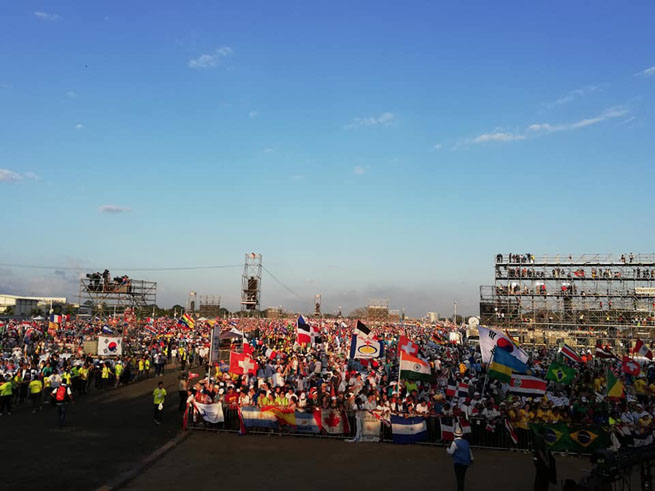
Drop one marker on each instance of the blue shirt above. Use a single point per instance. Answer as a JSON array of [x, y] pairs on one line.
[[461, 452]]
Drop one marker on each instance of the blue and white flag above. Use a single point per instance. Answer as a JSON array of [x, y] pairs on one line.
[[408, 430], [106, 330], [308, 422], [365, 348], [254, 418], [212, 413]]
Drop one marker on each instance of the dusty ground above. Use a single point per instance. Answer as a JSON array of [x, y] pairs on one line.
[[219, 461], [108, 432]]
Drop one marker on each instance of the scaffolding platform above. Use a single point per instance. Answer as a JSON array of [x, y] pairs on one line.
[[105, 298], [551, 298]]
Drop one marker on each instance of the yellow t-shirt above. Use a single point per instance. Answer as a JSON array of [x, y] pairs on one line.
[[158, 395], [35, 386]]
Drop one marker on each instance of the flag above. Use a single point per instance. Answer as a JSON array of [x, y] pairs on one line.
[[447, 429], [304, 332], [630, 366], [511, 431], [242, 364], [567, 351], [271, 354], [252, 417], [412, 368], [362, 330], [247, 349], [604, 353], [52, 328], [465, 425], [308, 422], [408, 430], [451, 389], [212, 413], [614, 386], [407, 346], [560, 373], [187, 320], [57, 319], [283, 415], [110, 346], [642, 349], [526, 385], [438, 339], [107, 330], [334, 422], [365, 348], [463, 390], [502, 365], [555, 436], [490, 339], [150, 328]]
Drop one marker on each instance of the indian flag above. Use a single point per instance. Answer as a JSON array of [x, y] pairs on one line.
[[412, 368]]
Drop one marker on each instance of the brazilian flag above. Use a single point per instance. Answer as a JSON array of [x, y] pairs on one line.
[[587, 439], [555, 436], [560, 373]]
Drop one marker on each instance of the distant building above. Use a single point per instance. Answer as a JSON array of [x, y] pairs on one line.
[[433, 316], [40, 302]]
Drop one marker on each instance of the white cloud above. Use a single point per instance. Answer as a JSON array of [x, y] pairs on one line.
[[79, 126], [47, 16], [611, 113], [31, 175], [358, 170], [113, 209], [71, 94], [7, 175], [497, 136], [437, 146], [211, 60], [648, 72], [253, 114], [384, 119], [574, 94], [268, 150]]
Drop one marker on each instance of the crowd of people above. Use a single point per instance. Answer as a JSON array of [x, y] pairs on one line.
[[321, 374]]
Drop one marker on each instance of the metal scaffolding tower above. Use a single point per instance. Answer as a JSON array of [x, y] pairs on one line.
[[99, 297], [577, 299], [251, 281], [317, 305]]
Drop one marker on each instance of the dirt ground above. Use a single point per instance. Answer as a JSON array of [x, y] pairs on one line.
[[220, 460], [108, 433]]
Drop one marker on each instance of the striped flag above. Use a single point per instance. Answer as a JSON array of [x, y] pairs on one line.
[[642, 349], [511, 431], [408, 430], [567, 351], [526, 385]]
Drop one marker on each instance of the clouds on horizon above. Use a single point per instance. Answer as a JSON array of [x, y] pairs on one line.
[[113, 209], [47, 16], [211, 60], [7, 175], [384, 119]]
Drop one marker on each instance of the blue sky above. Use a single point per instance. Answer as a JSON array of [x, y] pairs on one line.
[[366, 149]]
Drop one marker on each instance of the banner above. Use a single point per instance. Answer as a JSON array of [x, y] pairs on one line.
[[215, 344], [110, 346], [370, 427], [490, 339], [212, 413]]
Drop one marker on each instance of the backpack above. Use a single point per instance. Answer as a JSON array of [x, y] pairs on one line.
[[60, 396]]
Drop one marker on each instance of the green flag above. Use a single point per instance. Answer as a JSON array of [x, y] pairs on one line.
[[560, 373], [560, 437]]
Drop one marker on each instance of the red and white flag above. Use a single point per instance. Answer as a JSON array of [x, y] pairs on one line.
[[271, 354], [334, 422], [407, 345], [526, 385], [604, 352], [630, 366], [567, 351], [242, 364], [642, 349], [304, 331], [511, 431]]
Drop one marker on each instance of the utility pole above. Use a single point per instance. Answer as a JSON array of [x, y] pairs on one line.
[[455, 313]]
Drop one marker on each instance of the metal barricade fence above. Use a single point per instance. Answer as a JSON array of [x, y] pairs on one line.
[[481, 434]]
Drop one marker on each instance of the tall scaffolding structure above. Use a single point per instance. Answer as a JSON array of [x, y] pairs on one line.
[[377, 311], [209, 306], [317, 305], [545, 300], [251, 281], [99, 297]]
